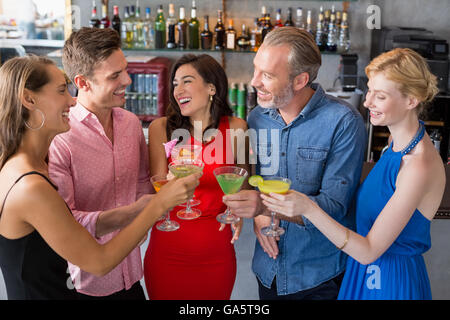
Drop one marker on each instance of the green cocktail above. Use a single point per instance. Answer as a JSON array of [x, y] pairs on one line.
[[230, 180]]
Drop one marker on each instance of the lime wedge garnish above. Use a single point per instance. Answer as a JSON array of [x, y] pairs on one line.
[[255, 180]]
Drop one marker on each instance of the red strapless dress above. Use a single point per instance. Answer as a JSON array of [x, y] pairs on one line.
[[197, 261]]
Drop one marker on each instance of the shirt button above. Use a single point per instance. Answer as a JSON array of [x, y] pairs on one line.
[[283, 154]]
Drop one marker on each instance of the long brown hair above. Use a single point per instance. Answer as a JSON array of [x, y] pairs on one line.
[[15, 75], [211, 72]]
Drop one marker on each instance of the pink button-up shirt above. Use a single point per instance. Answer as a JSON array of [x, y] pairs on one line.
[[95, 175]]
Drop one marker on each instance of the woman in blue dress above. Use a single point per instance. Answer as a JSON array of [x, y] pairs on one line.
[[400, 196]]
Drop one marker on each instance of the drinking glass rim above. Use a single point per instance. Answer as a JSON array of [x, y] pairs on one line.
[[231, 167], [278, 178], [164, 177], [195, 162]]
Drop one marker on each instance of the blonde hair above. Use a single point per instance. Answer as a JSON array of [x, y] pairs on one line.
[[16, 74], [410, 71]]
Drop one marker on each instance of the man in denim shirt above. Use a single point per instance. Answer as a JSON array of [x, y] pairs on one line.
[[317, 142]]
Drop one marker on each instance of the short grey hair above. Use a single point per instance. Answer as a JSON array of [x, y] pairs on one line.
[[304, 55]]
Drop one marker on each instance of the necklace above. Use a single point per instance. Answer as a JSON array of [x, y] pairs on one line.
[[419, 135]]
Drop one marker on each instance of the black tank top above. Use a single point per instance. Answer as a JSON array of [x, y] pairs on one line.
[[31, 269]]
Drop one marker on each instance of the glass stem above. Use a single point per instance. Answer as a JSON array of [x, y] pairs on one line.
[[272, 223], [188, 206]]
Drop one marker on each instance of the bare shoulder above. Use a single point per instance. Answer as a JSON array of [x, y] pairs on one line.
[[423, 170], [157, 129], [237, 123], [32, 198]]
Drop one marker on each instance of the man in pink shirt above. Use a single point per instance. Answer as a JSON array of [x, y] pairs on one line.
[[101, 165]]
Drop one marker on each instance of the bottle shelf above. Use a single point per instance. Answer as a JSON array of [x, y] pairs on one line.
[[204, 51]]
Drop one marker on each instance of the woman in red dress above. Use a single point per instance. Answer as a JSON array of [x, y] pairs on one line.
[[198, 260]]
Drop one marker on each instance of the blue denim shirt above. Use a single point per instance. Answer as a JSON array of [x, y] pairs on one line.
[[322, 152]]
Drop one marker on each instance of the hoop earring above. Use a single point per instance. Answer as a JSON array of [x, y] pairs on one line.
[[42, 123]]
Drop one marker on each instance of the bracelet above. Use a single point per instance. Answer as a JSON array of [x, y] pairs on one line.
[[346, 239]]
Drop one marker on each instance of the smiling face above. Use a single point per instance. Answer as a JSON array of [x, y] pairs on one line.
[[271, 77], [191, 92], [54, 100], [109, 81], [387, 105]]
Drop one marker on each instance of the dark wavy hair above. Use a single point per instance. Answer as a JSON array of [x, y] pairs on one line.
[[212, 73]]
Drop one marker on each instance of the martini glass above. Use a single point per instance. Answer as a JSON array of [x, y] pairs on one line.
[[183, 168], [278, 185], [230, 180], [187, 151], [167, 225]]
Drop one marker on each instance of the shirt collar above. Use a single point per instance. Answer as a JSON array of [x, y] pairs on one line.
[[81, 113]]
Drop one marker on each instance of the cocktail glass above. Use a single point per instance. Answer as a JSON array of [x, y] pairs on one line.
[[230, 180], [167, 225], [183, 168], [278, 185], [187, 151]]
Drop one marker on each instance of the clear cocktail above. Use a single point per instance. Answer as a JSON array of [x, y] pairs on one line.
[[183, 168], [187, 151], [230, 180]]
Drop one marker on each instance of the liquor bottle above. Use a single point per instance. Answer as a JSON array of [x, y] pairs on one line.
[[319, 33], [182, 29], [104, 22], [325, 25], [278, 22], [94, 22], [219, 32], [138, 32], [206, 35], [160, 29], [116, 22], [193, 28], [332, 33], [338, 22], [309, 26], [243, 41], [255, 36], [299, 23], [230, 36], [171, 26], [262, 19], [127, 29], [148, 31], [344, 35], [267, 27], [289, 22]]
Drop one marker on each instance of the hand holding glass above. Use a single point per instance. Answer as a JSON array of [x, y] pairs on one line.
[[230, 180]]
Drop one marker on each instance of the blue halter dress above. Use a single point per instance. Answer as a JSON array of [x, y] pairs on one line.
[[400, 272]]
